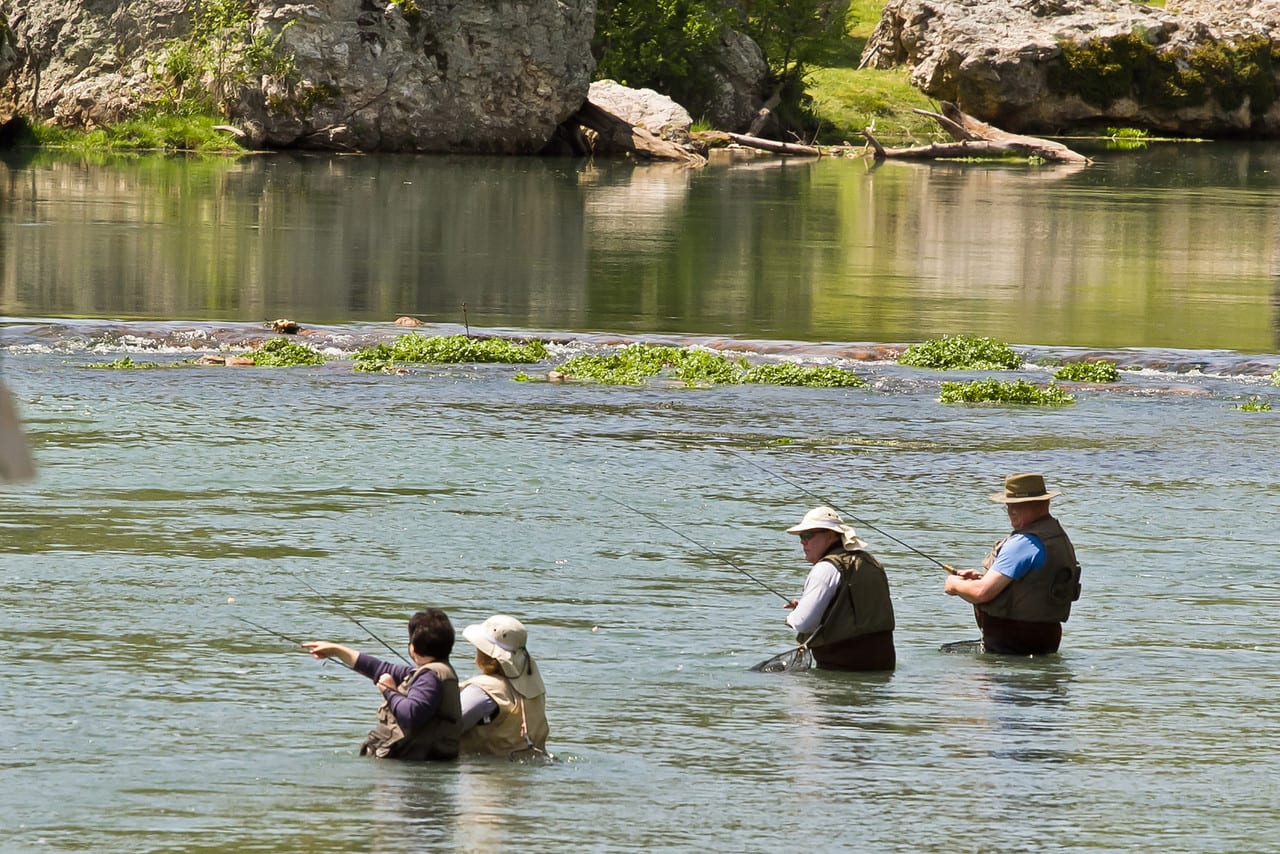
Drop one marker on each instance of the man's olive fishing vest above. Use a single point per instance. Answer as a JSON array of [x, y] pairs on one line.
[[861, 604], [505, 734], [436, 739], [1043, 595]]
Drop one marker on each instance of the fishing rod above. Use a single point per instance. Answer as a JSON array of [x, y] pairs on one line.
[[950, 569], [339, 609], [283, 637], [702, 546]]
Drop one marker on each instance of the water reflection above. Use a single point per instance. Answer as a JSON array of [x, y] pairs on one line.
[[1028, 701], [1142, 249], [419, 798]]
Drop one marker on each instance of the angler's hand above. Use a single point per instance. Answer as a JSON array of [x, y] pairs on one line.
[[386, 682], [323, 649], [792, 604]]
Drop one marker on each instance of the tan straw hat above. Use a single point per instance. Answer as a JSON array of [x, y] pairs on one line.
[[503, 639], [1023, 487], [826, 519]]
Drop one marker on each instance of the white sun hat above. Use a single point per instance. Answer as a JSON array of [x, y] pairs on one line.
[[503, 639], [826, 519]]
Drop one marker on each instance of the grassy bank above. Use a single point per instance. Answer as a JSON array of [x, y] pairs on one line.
[[845, 99]]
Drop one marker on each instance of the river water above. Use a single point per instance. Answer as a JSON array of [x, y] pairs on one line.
[[140, 712]]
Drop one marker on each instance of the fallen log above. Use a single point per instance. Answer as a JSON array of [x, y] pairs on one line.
[[975, 138], [617, 136], [774, 145]]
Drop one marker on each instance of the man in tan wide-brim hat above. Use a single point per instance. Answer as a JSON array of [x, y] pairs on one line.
[[1031, 577]]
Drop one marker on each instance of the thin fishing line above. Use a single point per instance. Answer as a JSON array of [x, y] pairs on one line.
[[702, 546], [339, 609], [822, 500], [284, 638]]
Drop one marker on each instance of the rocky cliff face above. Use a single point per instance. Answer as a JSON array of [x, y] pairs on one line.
[[1205, 67], [371, 75]]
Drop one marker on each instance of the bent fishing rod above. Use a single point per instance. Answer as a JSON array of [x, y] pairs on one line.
[[702, 546], [337, 608], [283, 637], [845, 513]]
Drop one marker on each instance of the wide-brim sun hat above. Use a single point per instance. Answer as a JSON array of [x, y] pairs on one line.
[[1023, 487], [503, 639], [827, 519]]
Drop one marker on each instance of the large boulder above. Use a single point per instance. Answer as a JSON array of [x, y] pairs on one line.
[[643, 108], [1205, 68], [389, 75]]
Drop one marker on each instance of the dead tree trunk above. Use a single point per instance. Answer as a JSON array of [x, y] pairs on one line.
[[976, 138], [616, 136]]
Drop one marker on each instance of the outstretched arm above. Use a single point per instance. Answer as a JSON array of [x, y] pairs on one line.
[[323, 649]]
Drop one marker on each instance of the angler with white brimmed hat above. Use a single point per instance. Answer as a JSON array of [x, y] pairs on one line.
[[844, 615], [504, 707], [1030, 577]]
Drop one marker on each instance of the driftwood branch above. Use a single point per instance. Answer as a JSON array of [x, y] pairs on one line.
[[615, 135], [774, 145], [976, 138]]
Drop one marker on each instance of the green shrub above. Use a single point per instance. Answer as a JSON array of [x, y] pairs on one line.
[[283, 353], [998, 391], [961, 353], [1254, 404], [448, 349], [1275, 378], [1100, 371]]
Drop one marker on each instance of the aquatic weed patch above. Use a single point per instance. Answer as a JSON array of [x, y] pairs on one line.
[[789, 373], [125, 363], [999, 391], [1100, 371], [448, 349], [283, 353], [961, 353], [636, 364], [1254, 404]]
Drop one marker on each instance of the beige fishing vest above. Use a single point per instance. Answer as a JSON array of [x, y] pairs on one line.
[[517, 717], [861, 604], [436, 739], [1043, 595]]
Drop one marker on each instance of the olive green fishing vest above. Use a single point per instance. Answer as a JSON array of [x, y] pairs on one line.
[[518, 716], [861, 604], [1043, 595], [436, 739]]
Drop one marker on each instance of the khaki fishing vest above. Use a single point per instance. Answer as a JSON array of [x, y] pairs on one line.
[[505, 734], [436, 739], [861, 604], [1044, 595]]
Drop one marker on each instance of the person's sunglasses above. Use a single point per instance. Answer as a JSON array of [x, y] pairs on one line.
[[807, 536]]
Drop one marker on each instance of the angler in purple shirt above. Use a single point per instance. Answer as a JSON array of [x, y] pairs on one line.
[[421, 715]]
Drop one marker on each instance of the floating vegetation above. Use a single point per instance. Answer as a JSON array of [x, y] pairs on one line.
[[1254, 404], [636, 364], [1275, 378], [999, 391], [447, 349], [789, 373], [283, 353], [961, 353], [125, 363], [1100, 371]]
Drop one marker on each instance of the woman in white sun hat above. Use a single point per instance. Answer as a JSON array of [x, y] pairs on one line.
[[844, 615], [503, 708]]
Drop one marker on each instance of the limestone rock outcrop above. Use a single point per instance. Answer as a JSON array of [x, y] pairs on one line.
[[369, 75], [1204, 67]]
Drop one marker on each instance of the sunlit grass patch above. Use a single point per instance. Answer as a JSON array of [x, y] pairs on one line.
[[1000, 391], [961, 353], [448, 349], [195, 133], [1100, 371]]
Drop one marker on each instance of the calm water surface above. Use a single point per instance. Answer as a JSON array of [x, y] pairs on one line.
[[140, 714]]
